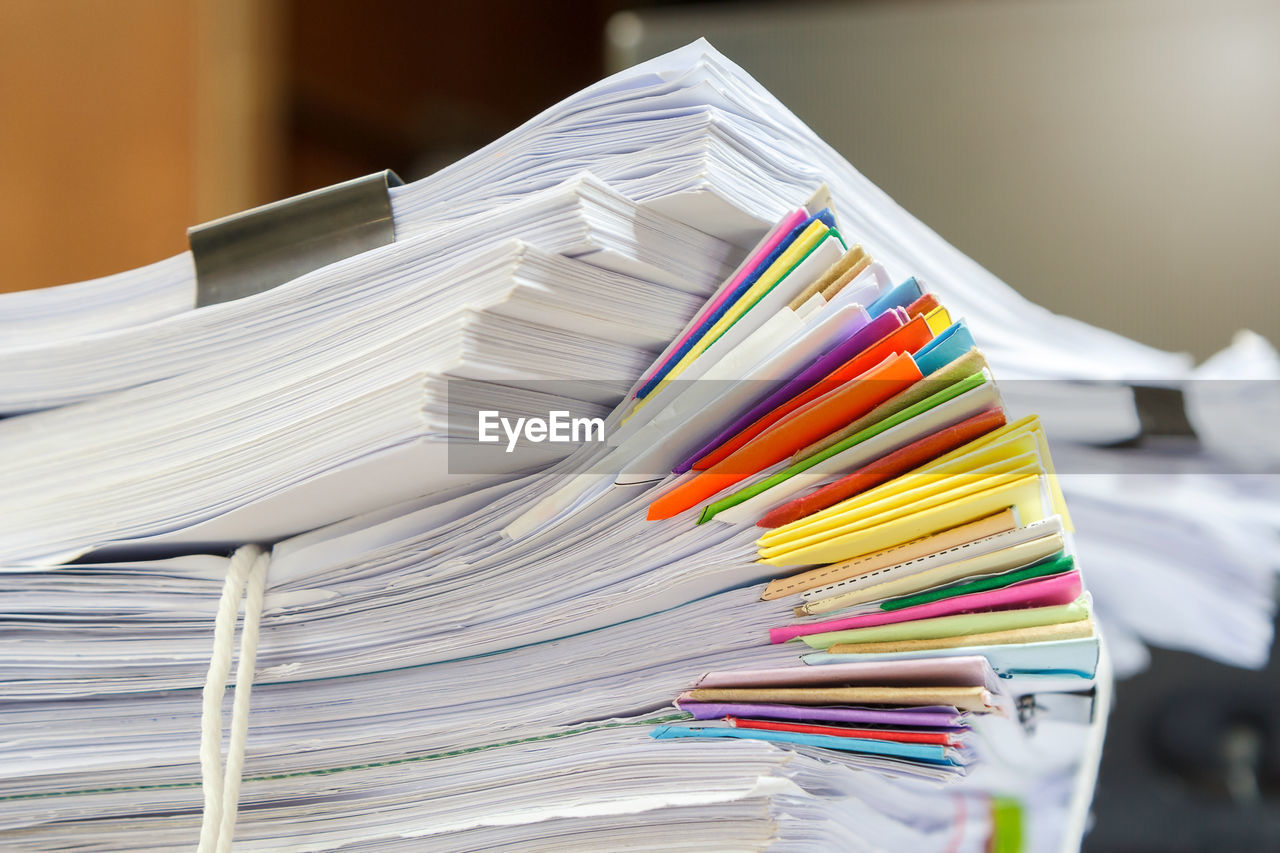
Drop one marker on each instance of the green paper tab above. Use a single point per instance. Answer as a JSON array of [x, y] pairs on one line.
[[1006, 830], [1043, 568], [953, 390]]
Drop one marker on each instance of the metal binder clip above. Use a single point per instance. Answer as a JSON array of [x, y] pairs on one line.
[[253, 251], [1162, 411]]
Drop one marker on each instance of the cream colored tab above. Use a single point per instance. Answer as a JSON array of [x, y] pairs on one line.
[[847, 261], [1077, 630], [964, 698], [1000, 522], [1003, 560]]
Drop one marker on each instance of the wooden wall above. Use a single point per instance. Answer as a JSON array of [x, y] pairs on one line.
[[122, 122]]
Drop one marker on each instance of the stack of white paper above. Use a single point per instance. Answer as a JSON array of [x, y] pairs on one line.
[[37, 317], [423, 276]]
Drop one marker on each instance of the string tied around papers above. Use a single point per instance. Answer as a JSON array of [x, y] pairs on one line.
[[246, 580], [249, 252]]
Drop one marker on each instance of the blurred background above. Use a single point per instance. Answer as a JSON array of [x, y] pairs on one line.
[[1114, 160]]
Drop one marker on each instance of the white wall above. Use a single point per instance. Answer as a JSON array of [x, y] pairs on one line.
[[1115, 160]]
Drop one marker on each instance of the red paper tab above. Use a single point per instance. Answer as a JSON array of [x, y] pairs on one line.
[[805, 426], [937, 738], [885, 468]]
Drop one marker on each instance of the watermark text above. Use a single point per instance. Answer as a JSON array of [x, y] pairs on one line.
[[559, 427]]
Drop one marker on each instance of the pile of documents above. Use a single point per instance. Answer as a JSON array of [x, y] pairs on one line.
[[801, 581], [866, 435]]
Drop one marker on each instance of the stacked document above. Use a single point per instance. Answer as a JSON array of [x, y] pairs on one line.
[[924, 534], [489, 646], [359, 353], [651, 488]]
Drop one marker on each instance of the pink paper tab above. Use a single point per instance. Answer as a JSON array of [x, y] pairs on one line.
[[770, 242], [960, 671], [919, 716], [1041, 592]]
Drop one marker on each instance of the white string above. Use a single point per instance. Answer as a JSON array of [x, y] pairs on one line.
[[214, 688], [248, 563], [240, 707]]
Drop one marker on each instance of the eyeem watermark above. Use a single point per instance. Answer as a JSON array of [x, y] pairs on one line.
[[557, 427]]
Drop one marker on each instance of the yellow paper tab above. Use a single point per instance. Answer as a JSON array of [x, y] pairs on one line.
[[1029, 425], [924, 497], [940, 475], [801, 246], [1023, 430], [1022, 492], [938, 320], [1001, 522]]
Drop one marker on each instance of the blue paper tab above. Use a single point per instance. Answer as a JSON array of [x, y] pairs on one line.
[[899, 297], [954, 342], [825, 216]]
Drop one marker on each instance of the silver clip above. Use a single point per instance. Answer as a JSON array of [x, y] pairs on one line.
[[253, 251]]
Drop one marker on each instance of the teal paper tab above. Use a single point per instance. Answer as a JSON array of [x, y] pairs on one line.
[[954, 342], [931, 753]]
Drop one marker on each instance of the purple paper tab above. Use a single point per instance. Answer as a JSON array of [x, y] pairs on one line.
[[953, 671], [930, 716], [817, 369]]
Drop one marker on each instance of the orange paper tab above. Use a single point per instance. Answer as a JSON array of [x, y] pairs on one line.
[[909, 338], [807, 424]]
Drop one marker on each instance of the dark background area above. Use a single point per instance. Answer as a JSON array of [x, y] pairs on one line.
[[414, 86], [1192, 760]]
